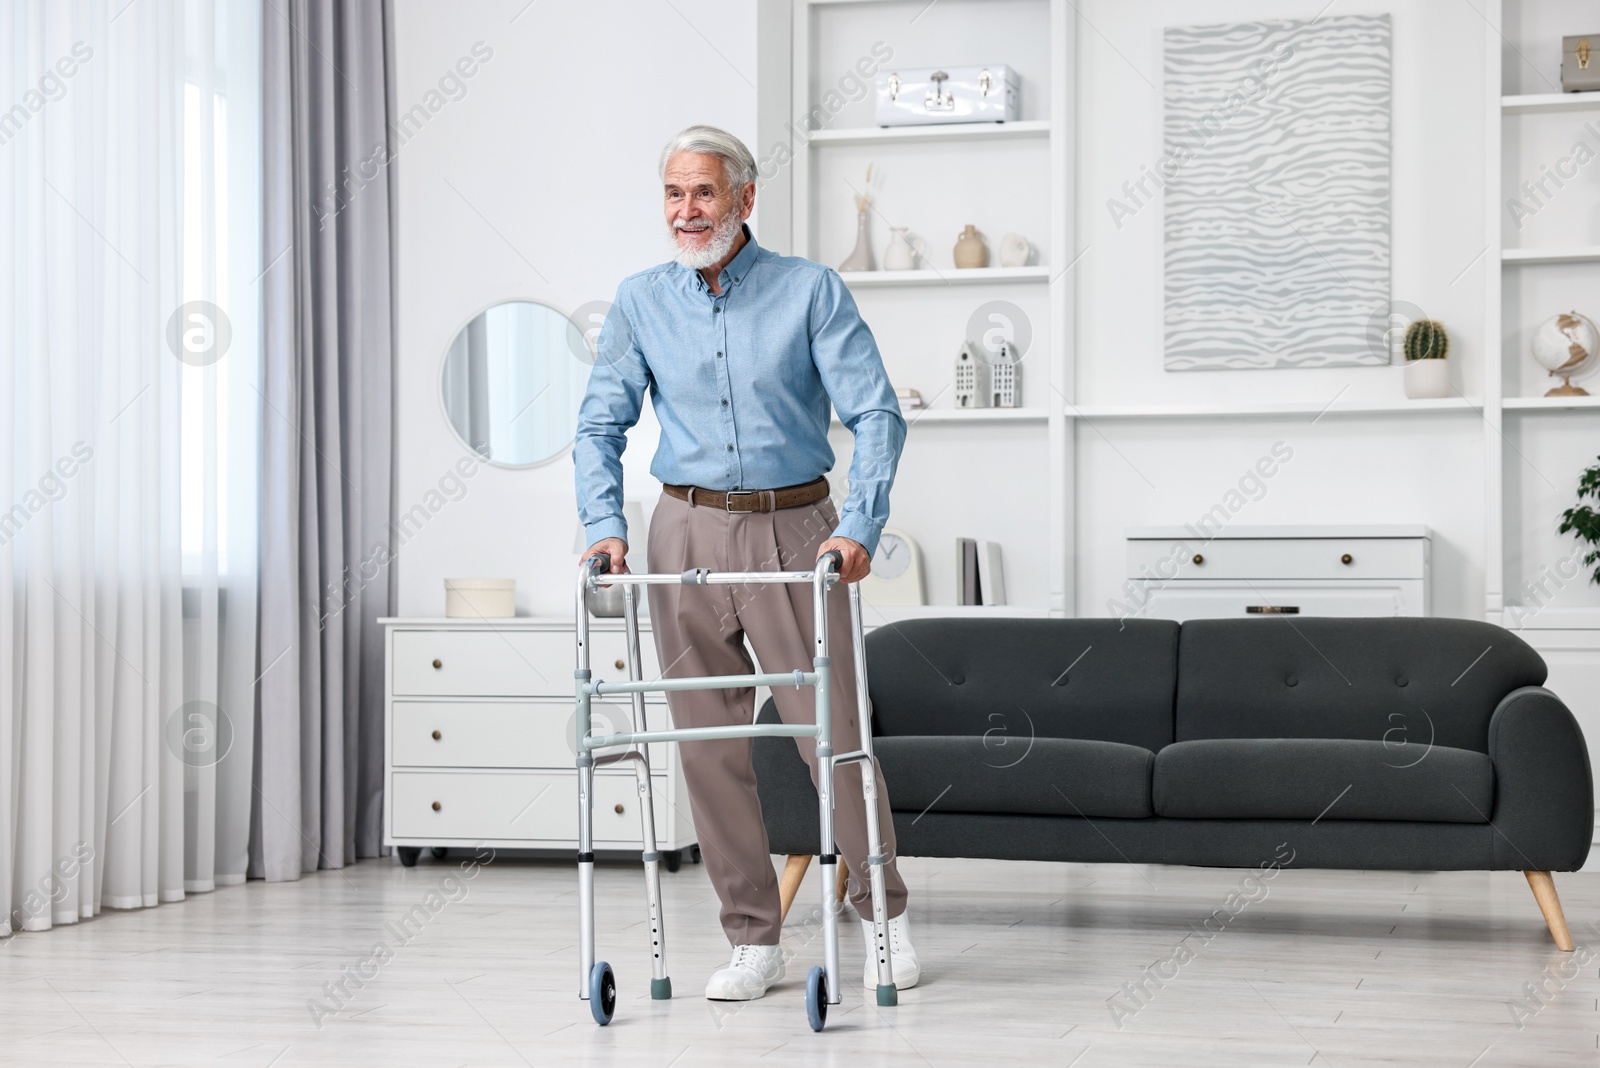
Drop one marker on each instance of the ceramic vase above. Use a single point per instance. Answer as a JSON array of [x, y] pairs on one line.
[[904, 248], [861, 258], [970, 251]]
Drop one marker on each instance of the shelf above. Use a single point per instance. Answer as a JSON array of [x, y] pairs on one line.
[[1543, 103], [972, 415], [1549, 404], [951, 277], [1575, 254], [1308, 408], [956, 131]]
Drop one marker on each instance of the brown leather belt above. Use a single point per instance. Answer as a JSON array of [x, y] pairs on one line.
[[753, 500]]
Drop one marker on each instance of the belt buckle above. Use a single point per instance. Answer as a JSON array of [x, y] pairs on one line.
[[727, 501]]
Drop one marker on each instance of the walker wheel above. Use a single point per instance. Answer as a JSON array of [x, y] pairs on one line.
[[817, 997], [673, 859], [602, 992]]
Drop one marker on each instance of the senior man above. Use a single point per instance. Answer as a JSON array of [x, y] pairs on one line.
[[741, 351]]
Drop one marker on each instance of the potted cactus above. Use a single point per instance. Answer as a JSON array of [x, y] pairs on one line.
[[1427, 371]]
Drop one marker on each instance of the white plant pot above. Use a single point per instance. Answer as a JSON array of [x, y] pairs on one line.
[[1427, 379]]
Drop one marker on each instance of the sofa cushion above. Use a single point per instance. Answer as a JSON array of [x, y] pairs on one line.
[[1094, 679], [1423, 681], [1298, 779], [1016, 774]]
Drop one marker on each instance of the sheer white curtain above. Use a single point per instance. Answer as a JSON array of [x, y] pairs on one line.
[[129, 365]]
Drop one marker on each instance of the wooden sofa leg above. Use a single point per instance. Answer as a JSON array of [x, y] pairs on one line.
[[794, 872], [1544, 892]]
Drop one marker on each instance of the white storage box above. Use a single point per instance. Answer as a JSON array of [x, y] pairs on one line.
[[926, 96], [480, 598]]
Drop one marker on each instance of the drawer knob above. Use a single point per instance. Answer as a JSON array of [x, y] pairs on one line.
[[437, 736], [1198, 559], [437, 664], [620, 665], [436, 806], [1347, 559], [619, 810]]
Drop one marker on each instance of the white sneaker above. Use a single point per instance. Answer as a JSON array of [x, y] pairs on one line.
[[902, 954], [748, 974]]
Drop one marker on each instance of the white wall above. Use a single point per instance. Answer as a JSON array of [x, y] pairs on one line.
[[1345, 469], [614, 80], [538, 184]]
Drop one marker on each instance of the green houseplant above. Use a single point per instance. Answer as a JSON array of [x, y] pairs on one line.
[[1427, 373], [1583, 521]]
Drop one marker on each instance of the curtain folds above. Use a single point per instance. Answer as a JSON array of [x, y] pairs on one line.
[[326, 436], [128, 427]]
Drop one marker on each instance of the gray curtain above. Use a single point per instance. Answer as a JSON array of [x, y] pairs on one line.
[[326, 435]]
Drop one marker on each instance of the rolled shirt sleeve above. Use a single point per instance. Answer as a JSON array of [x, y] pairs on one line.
[[847, 358], [611, 406]]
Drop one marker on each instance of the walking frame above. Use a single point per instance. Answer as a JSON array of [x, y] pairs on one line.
[[597, 982]]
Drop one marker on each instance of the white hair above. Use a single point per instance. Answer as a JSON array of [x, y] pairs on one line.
[[738, 165]]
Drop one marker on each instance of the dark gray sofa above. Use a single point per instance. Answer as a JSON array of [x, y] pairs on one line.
[[1423, 744]]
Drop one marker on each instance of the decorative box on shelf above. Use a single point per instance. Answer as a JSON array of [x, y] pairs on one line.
[[1190, 573], [479, 740]]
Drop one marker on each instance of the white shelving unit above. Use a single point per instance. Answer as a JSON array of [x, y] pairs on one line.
[[1588, 254], [1522, 54], [1275, 410], [1546, 103], [1013, 176], [952, 277], [971, 131]]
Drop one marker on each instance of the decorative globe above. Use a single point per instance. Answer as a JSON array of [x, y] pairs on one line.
[[1567, 346]]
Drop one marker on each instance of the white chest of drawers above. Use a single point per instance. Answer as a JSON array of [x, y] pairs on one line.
[[478, 740], [1180, 573]]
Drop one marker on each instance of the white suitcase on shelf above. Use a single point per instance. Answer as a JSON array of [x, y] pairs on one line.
[[926, 96]]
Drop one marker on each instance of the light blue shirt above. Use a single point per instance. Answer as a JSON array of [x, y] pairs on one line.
[[741, 383]]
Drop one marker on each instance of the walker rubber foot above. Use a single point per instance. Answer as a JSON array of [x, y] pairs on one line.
[[661, 989], [888, 996]]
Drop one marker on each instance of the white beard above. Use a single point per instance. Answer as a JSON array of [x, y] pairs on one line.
[[722, 239]]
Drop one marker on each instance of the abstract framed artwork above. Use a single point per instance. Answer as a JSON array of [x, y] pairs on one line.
[[1276, 177]]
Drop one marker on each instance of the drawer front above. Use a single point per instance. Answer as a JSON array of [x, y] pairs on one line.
[[504, 734], [504, 663], [1280, 558], [534, 806], [1267, 600]]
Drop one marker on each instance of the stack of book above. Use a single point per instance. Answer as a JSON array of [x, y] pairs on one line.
[[910, 400], [979, 577]]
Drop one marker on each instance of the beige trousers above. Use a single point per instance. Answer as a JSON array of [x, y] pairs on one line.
[[701, 630]]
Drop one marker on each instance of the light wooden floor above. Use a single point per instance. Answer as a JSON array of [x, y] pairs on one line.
[[1019, 964]]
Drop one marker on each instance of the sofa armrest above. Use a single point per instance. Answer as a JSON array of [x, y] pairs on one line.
[[788, 797], [1544, 791]]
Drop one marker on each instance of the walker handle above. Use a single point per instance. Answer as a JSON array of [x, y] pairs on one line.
[[600, 563], [838, 559]]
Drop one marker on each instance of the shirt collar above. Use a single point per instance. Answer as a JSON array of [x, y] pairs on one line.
[[737, 267]]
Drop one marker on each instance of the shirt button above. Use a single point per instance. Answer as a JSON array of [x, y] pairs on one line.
[[716, 309], [719, 355], [724, 402], [730, 448]]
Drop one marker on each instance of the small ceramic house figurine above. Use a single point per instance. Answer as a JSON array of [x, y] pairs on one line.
[[972, 379], [1005, 378]]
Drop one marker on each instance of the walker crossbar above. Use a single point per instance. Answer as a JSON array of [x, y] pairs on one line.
[[711, 682], [703, 734], [597, 984]]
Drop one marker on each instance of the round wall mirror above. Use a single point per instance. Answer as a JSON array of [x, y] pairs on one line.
[[511, 384]]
